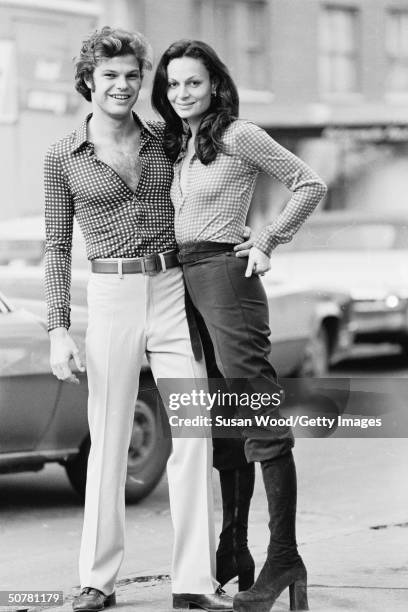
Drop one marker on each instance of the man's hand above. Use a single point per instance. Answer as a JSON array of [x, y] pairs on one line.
[[63, 349], [258, 262], [242, 250]]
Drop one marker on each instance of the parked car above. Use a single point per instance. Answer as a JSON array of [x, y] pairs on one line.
[[364, 255], [44, 420], [309, 328]]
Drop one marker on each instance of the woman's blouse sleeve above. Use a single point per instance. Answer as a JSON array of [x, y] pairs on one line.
[[59, 219], [261, 152]]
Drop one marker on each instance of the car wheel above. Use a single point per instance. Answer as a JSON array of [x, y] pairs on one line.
[[316, 358], [148, 451], [147, 458]]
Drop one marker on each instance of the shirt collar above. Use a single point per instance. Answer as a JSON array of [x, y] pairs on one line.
[[81, 136], [143, 123]]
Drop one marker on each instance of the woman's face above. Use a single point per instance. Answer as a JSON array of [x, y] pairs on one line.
[[189, 88]]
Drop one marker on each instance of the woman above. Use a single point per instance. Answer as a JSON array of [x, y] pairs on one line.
[[217, 158]]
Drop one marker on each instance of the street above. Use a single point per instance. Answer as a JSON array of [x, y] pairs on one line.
[[346, 488]]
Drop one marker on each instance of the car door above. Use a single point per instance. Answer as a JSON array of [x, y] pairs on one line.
[[291, 315], [28, 391]]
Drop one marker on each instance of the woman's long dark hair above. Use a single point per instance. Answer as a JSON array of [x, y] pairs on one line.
[[224, 106]]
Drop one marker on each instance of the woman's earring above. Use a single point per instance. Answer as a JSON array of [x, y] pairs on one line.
[[214, 92]]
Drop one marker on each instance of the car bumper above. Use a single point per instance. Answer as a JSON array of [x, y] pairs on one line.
[[379, 325]]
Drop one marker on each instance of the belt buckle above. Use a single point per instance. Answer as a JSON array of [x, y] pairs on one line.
[[150, 258], [163, 262]]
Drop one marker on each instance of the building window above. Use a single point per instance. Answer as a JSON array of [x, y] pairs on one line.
[[338, 54], [396, 42], [238, 30]]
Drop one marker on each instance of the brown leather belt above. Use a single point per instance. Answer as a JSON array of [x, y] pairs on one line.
[[150, 264]]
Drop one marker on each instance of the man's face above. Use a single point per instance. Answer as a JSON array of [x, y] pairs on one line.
[[115, 85]]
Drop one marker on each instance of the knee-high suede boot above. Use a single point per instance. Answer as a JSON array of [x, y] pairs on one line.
[[283, 566], [233, 556]]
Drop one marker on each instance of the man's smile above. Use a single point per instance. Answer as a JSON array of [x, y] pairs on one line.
[[120, 96]]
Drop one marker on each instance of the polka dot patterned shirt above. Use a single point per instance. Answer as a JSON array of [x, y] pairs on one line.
[[115, 221], [218, 195]]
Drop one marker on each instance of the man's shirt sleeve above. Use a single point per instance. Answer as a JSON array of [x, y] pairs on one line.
[[263, 153], [59, 218]]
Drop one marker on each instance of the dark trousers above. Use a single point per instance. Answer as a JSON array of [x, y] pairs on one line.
[[234, 311], [229, 453]]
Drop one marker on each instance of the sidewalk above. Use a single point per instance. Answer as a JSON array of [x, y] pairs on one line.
[[363, 570], [350, 581], [352, 532]]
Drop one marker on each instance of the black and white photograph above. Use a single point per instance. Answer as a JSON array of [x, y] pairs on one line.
[[203, 305]]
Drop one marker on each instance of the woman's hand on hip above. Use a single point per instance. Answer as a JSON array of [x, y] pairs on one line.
[[258, 262], [242, 249]]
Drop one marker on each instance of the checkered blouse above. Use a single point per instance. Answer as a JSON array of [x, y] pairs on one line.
[[115, 221], [218, 195]]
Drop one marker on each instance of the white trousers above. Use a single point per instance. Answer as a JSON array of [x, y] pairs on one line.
[[127, 317]]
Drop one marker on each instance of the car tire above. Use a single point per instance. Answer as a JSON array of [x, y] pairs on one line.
[[149, 449], [316, 357]]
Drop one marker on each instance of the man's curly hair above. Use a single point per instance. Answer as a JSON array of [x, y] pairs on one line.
[[106, 43]]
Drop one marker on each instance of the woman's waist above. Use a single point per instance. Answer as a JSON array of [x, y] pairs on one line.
[[206, 226], [194, 250]]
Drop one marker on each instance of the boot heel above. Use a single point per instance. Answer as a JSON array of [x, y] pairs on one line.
[[298, 595], [246, 579], [180, 602], [110, 600]]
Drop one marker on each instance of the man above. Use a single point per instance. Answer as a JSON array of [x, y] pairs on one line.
[[112, 174]]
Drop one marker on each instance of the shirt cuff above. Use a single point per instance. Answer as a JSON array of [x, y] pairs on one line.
[[266, 242], [59, 317]]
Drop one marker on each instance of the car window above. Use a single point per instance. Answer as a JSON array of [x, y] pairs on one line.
[[349, 237]]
